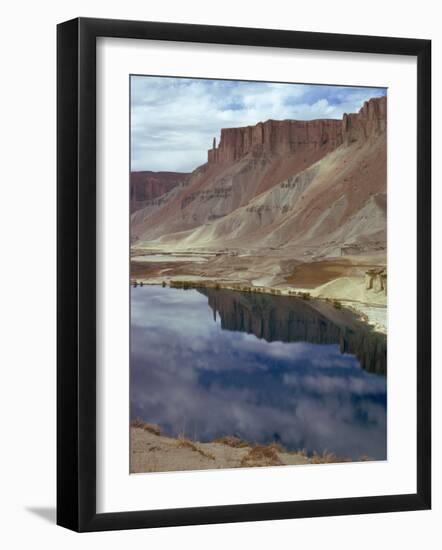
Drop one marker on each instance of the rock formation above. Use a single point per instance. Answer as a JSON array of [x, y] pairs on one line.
[[279, 137], [376, 280], [371, 121], [146, 186], [288, 136], [315, 186]]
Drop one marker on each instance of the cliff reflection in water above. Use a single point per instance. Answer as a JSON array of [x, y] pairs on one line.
[[209, 363], [288, 319]]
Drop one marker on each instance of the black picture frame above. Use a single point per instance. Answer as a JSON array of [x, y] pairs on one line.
[[76, 273]]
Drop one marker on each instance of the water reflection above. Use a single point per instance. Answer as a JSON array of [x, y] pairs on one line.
[[287, 319], [215, 362]]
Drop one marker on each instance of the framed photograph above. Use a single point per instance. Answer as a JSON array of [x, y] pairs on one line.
[[231, 205]]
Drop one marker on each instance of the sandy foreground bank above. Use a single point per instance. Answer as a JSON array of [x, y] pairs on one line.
[[152, 452]]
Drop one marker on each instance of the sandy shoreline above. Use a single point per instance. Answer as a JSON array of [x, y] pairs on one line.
[[153, 452], [339, 280], [371, 313]]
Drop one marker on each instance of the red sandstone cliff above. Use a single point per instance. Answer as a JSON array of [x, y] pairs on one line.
[[276, 137], [371, 121], [319, 183], [295, 136], [146, 186]]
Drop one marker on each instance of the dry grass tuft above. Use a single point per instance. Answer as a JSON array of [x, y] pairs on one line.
[[151, 428], [136, 423], [301, 452], [327, 458], [263, 455], [232, 441], [183, 442]]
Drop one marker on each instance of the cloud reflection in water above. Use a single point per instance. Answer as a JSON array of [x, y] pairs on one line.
[[188, 374]]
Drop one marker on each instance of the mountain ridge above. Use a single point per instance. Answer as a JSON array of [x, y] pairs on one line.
[[282, 183]]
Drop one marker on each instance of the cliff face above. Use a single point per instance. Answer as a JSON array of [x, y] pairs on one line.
[[318, 185], [276, 137], [289, 136], [371, 121], [146, 186]]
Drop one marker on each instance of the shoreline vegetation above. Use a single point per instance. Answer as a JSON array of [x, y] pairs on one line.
[[370, 313], [153, 451]]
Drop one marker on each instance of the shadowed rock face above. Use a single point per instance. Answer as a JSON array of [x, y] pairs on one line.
[[146, 186], [287, 319], [371, 121]]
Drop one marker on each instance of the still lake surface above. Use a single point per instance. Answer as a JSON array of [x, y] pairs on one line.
[[209, 363]]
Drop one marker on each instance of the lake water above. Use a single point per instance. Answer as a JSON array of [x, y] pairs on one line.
[[208, 363]]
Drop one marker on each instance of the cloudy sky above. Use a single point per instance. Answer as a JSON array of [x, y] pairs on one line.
[[174, 120]]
